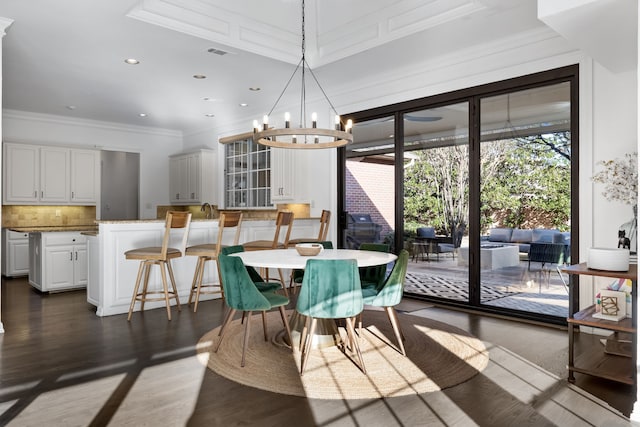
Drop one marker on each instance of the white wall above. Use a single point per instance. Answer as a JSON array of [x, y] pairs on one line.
[[154, 146]]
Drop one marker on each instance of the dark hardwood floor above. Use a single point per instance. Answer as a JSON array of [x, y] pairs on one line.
[[55, 343]]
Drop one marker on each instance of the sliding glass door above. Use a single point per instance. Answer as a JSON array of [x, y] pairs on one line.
[[370, 184], [525, 198], [436, 200], [479, 185]]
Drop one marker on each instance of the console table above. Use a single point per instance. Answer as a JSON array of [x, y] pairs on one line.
[[596, 361]]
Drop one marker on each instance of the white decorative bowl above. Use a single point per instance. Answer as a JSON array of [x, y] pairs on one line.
[[309, 249], [611, 259]]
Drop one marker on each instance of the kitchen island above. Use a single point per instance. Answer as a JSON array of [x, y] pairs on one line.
[[111, 278]]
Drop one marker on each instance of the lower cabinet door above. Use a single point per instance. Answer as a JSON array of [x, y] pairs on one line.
[[80, 266], [58, 268]]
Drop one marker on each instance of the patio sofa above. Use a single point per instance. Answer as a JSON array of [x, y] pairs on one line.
[[524, 237]]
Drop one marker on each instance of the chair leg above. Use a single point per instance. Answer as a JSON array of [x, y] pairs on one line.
[[303, 334], [135, 290], [351, 333], [307, 345], [284, 286], [202, 261], [173, 284], [393, 318], [145, 285], [245, 341], [264, 325], [232, 311], [194, 282], [285, 322], [165, 288], [227, 318]]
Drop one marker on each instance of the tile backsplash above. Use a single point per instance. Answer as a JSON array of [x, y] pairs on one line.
[[49, 216]]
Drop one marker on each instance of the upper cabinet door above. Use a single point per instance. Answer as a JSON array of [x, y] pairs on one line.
[[54, 175], [21, 174], [85, 176]]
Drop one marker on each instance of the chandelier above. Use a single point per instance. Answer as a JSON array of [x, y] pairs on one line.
[[299, 137]]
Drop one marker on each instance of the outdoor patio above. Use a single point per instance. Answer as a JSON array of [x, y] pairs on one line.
[[539, 290]]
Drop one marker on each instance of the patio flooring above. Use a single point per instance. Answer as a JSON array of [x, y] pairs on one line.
[[539, 290]]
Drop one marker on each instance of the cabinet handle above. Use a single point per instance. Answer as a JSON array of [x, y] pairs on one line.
[[72, 194], [42, 194], [177, 196], [35, 193], [71, 258], [76, 255]]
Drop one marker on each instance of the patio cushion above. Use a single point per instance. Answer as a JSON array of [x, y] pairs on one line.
[[500, 235], [521, 236], [428, 232], [540, 235]]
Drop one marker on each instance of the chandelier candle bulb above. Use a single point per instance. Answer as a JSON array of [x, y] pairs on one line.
[[314, 120], [294, 140], [265, 122], [349, 126], [316, 139], [287, 120], [337, 121], [255, 126]]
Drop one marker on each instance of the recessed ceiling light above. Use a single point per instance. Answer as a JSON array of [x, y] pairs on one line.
[[71, 107], [206, 98], [255, 89], [243, 104], [131, 61], [143, 114], [199, 76], [210, 115]]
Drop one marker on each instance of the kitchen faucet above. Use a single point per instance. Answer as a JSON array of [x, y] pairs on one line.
[[204, 207]]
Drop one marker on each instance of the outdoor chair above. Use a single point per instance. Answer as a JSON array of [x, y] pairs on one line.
[[389, 295], [242, 294]]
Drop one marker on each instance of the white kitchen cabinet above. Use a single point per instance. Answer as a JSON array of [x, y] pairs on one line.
[[283, 182], [15, 256], [192, 178], [54, 175], [59, 261], [85, 177], [50, 175], [21, 175]]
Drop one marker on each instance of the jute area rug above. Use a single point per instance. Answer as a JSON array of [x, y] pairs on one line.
[[438, 356]]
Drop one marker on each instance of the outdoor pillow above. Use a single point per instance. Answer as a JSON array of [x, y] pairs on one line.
[[500, 235], [521, 236]]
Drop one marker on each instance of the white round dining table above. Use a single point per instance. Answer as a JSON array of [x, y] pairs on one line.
[[326, 331], [291, 259]]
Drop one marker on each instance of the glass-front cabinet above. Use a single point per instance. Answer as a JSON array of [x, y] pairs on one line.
[[247, 175]]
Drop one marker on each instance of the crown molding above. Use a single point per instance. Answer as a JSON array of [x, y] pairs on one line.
[[86, 123]]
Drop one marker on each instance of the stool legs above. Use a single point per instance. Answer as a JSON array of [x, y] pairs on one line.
[[143, 278], [196, 284]]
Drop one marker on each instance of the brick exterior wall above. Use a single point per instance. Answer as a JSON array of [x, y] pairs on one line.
[[370, 190]]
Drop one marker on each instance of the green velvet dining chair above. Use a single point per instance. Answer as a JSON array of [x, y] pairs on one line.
[[372, 277], [242, 294], [330, 290], [257, 280], [388, 294], [297, 275]]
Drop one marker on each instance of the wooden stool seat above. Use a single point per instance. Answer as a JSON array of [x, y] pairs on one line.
[[160, 256]]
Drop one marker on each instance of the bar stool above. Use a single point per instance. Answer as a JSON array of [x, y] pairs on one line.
[[162, 257], [325, 218], [209, 252], [283, 219]]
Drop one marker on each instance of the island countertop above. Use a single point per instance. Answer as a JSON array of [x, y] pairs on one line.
[[55, 228]]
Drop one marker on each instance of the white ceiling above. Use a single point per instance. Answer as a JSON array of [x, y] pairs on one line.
[[71, 52]]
